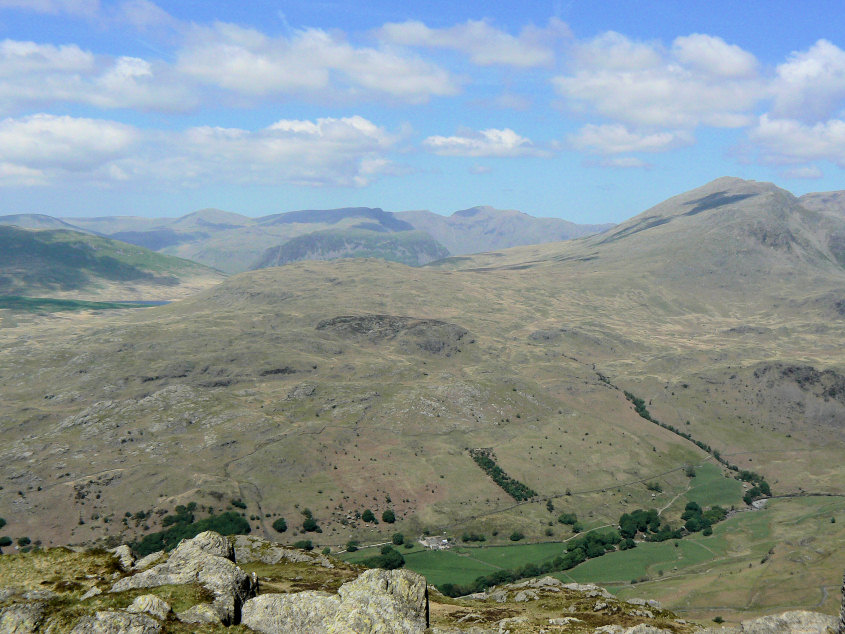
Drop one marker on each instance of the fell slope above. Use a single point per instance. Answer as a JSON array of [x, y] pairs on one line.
[[62, 263], [359, 384], [413, 248]]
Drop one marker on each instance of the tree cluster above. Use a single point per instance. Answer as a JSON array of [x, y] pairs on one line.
[[516, 489]]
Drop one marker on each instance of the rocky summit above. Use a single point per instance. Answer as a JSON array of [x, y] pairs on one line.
[[213, 583]]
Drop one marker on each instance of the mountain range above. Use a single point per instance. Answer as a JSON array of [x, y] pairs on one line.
[[653, 365], [233, 243]]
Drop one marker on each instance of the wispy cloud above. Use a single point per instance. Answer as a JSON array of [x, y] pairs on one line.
[[490, 142], [616, 138], [484, 44], [311, 61]]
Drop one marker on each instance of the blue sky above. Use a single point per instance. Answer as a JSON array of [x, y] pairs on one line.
[[589, 111]]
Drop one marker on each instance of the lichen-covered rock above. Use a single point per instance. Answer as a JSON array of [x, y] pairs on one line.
[[377, 602], [589, 589], [114, 622], [505, 625], [498, 595], [526, 595], [642, 628], [796, 622], [7, 592], [291, 613], [209, 543], [249, 549], [150, 604], [125, 558], [207, 560], [21, 618], [145, 562], [383, 601], [200, 613]]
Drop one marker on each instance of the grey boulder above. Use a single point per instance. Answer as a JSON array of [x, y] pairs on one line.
[[378, 602], [113, 622]]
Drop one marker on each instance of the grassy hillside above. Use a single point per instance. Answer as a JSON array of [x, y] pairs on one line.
[[60, 262], [413, 248], [362, 385]]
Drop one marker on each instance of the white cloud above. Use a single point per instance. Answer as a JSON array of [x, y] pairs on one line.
[[347, 152], [714, 56], [808, 172], [26, 58], [55, 7], [811, 85], [614, 51], [490, 142], [12, 175], [40, 148], [143, 15], [247, 62], [642, 84], [46, 149], [483, 43], [34, 74], [617, 139], [789, 141]]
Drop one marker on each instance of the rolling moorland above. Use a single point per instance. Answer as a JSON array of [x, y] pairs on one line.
[[644, 367], [234, 243]]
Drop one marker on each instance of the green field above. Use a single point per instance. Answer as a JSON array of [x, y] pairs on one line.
[[644, 560], [464, 564], [710, 487]]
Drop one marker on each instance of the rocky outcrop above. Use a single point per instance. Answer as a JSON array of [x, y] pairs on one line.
[[378, 601], [248, 549], [150, 604], [116, 622], [207, 559], [797, 622], [291, 613], [22, 617], [125, 558], [842, 610]]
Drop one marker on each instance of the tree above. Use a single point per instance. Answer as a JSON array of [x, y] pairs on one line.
[[567, 518], [351, 546], [389, 559], [280, 525], [5, 541], [689, 471], [310, 526], [305, 544], [398, 539], [2, 522], [388, 516], [516, 536], [368, 516]]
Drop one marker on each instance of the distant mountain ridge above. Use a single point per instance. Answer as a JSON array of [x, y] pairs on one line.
[[484, 228], [233, 243]]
